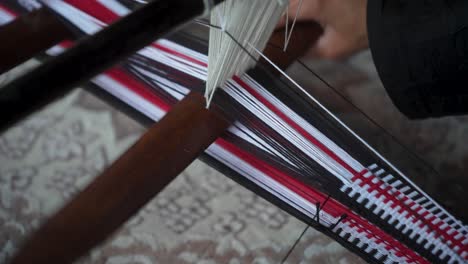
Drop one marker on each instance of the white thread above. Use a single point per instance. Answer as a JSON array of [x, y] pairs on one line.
[[247, 21], [288, 39]]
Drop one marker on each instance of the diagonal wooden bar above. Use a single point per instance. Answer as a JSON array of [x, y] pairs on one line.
[[94, 54], [133, 180], [29, 35]]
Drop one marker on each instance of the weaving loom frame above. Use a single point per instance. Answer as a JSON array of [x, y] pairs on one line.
[[270, 197], [232, 174]]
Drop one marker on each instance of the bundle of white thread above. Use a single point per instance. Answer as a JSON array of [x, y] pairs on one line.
[[244, 24]]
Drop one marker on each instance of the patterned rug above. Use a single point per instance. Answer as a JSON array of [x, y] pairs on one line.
[[204, 217]]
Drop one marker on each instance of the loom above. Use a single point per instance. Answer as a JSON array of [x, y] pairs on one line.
[[373, 210], [190, 130]]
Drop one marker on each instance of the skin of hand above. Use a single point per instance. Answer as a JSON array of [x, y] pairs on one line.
[[343, 22]]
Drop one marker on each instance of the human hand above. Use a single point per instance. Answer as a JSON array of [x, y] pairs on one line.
[[343, 21]]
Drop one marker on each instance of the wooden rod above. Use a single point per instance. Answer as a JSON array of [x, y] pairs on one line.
[[117, 194], [27, 36], [92, 55]]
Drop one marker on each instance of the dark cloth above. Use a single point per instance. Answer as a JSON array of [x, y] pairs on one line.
[[420, 49]]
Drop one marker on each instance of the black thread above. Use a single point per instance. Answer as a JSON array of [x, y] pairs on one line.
[[342, 217], [294, 245]]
